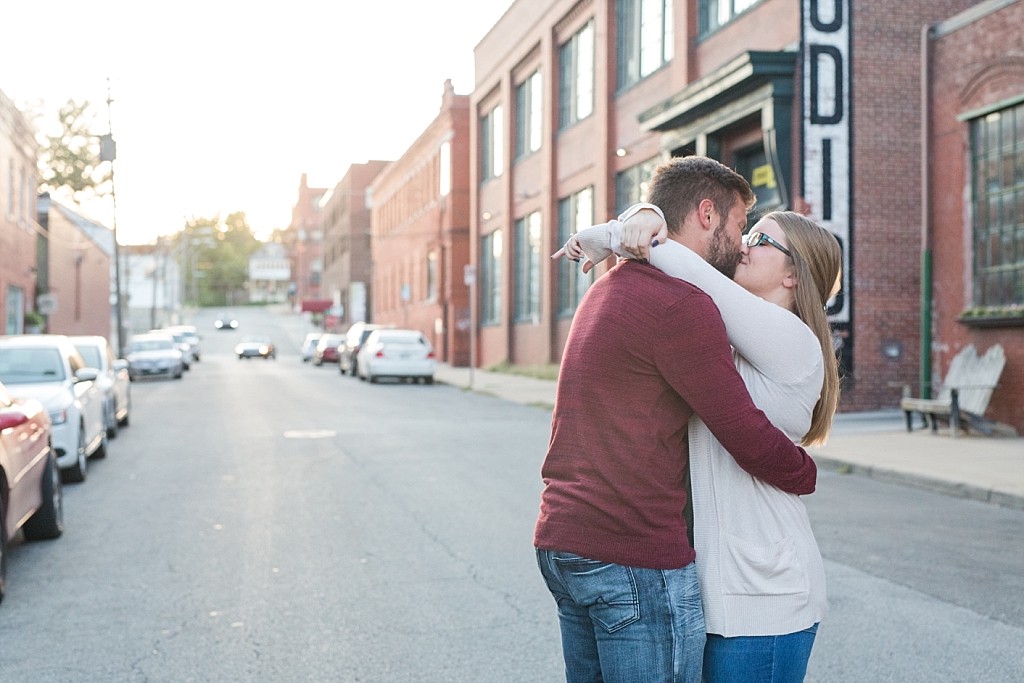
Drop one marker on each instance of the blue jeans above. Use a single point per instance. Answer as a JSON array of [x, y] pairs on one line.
[[758, 659], [626, 624]]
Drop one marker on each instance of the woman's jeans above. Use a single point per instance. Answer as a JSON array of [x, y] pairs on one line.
[[758, 659], [625, 624]]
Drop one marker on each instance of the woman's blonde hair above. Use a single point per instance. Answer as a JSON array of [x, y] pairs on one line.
[[819, 262]]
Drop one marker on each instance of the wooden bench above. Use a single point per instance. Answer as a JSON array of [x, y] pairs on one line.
[[964, 395]]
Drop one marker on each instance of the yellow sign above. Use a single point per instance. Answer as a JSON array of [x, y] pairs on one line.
[[764, 176]]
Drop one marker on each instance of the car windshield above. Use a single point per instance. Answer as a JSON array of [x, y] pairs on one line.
[[92, 355], [23, 366], [364, 335], [253, 339], [150, 345], [331, 339], [401, 338]]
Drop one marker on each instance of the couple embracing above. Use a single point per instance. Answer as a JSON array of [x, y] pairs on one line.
[[692, 370]]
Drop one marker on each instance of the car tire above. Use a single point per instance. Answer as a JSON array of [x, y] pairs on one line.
[[178, 376], [353, 369], [112, 424], [372, 379], [428, 380], [76, 473], [101, 451], [48, 520]]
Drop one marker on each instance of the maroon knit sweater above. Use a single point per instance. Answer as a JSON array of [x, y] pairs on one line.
[[645, 352]]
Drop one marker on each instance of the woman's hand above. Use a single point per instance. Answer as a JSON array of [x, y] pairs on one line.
[[641, 231], [574, 252]]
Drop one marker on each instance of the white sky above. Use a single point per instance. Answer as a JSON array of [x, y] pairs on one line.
[[222, 105]]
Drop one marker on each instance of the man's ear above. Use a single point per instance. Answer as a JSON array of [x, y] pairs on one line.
[[706, 213]]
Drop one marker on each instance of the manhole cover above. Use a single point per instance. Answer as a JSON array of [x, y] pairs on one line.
[[310, 433]]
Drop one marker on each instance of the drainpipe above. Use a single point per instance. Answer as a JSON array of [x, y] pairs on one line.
[[926, 238]]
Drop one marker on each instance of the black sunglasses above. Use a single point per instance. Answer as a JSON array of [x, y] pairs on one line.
[[757, 238]]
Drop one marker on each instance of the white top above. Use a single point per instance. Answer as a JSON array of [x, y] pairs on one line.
[[758, 565]]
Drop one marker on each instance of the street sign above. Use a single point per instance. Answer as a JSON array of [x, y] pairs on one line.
[[469, 274], [46, 304]]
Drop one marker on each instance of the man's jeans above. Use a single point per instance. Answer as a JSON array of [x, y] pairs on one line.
[[626, 624], [758, 659]]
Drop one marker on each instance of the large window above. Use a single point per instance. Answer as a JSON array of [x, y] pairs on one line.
[[717, 13], [491, 144], [576, 76], [575, 212], [529, 110], [646, 38], [490, 278], [633, 184], [444, 171], [432, 276], [527, 255], [997, 146]]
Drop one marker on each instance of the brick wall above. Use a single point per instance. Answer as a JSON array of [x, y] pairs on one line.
[[974, 67], [79, 278], [886, 220], [18, 180]]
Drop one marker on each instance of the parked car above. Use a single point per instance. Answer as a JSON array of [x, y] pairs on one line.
[[225, 322], [187, 355], [151, 355], [327, 349], [309, 346], [31, 497], [191, 335], [403, 354], [354, 339], [113, 380], [49, 369], [256, 346]]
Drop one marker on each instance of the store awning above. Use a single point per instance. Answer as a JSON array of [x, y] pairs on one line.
[[317, 305]]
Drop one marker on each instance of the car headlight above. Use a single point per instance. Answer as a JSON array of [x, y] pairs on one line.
[[59, 417], [264, 350], [218, 324], [234, 324]]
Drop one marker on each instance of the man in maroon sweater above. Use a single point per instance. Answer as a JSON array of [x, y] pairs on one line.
[[647, 351]]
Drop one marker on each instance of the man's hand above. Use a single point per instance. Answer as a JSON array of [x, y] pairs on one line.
[[641, 231]]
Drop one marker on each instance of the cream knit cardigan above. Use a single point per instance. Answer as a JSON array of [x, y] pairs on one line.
[[758, 565]]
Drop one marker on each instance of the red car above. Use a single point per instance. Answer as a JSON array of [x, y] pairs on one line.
[[327, 349], [30, 493]]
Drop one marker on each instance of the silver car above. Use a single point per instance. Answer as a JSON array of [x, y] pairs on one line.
[[49, 369], [190, 335], [113, 380], [151, 355]]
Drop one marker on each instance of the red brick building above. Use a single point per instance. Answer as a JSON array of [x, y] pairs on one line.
[[816, 102], [18, 155], [74, 264], [421, 234], [975, 226], [348, 266], [305, 238]]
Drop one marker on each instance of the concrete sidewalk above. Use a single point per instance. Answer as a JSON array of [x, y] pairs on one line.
[[875, 444]]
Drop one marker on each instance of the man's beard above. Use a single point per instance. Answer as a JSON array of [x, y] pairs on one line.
[[722, 254]]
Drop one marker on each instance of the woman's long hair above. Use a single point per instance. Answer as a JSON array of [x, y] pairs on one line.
[[819, 265]]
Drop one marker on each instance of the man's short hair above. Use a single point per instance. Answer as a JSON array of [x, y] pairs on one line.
[[680, 185]]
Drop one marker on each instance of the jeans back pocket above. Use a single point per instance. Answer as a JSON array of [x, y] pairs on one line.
[[607, 590]]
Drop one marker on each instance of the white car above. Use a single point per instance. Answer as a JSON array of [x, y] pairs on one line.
[[402, 354], [113, 380], [191, 335], [154, 354], [49, 369]]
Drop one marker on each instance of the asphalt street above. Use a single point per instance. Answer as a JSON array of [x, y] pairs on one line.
[[274, 521]]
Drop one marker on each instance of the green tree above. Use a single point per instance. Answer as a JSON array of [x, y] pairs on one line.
[[215, 258], [70, 158]]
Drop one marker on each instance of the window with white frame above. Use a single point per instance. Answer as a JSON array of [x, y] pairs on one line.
[[444, 171], [997, 156], [646, 38], [529, 111], [491, 144], [527, 257], [575, 212], [576, 77], [490, 278], [432, 276], [713, 14]]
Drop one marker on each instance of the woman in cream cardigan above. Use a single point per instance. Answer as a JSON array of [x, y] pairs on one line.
[[760, 572]]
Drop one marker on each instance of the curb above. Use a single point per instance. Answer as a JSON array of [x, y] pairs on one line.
[[920, 481]]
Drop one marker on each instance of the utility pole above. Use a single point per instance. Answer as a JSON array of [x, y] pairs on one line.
[[117, 251]]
